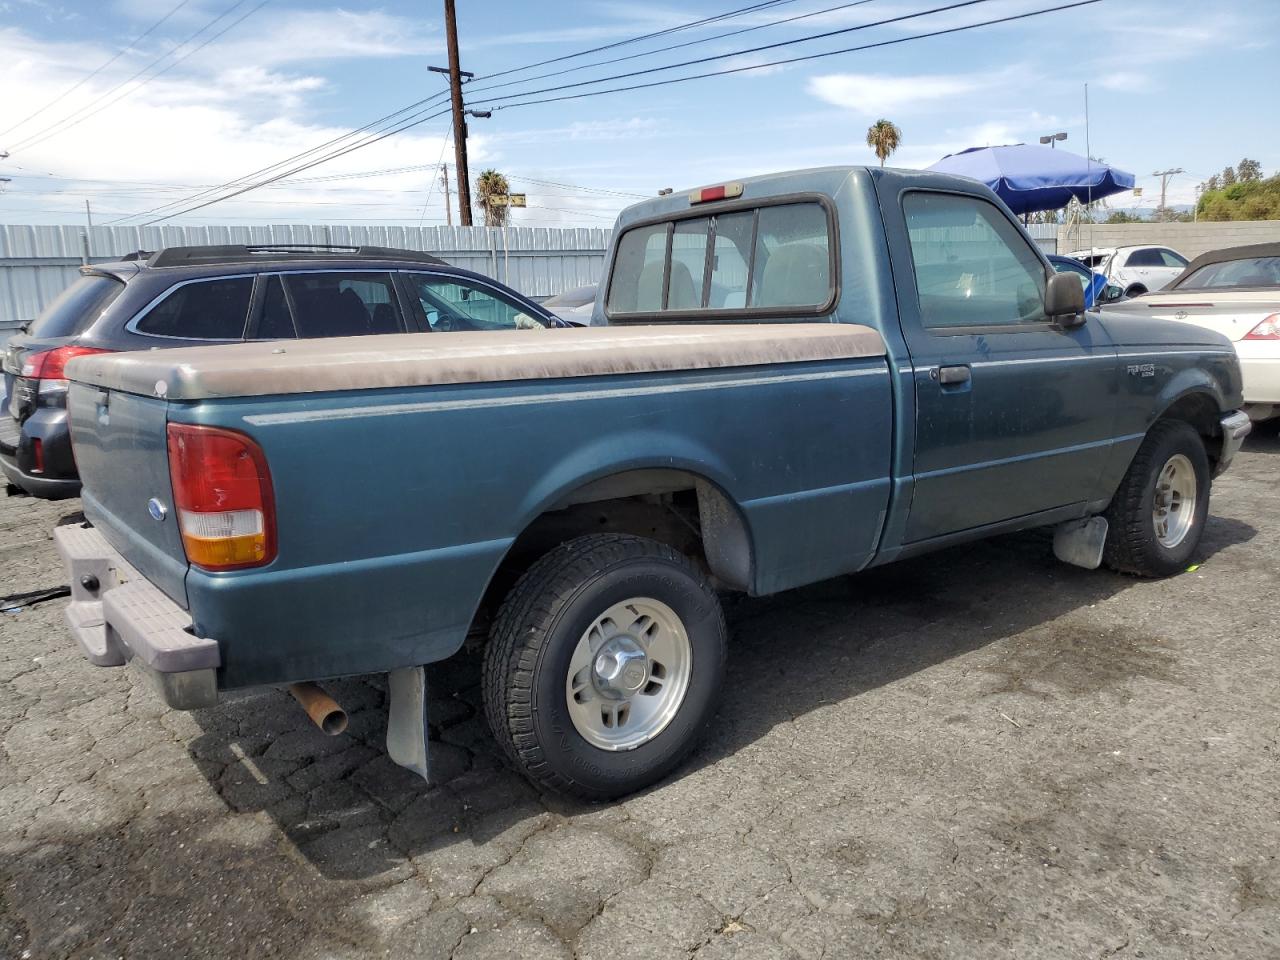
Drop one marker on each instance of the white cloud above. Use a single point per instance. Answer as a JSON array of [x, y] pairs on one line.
[[201, 124], [1125, 81], [875, 94]]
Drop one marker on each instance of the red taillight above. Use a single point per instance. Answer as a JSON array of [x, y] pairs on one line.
[[52, 364], [1268, 329], [222, 492], [724, 191], [37, 455]]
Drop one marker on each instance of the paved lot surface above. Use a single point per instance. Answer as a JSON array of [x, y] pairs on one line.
[[978, 754]]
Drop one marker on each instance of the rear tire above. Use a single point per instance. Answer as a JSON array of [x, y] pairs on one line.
[[1157, 516], [1136, 290], [563, 690]]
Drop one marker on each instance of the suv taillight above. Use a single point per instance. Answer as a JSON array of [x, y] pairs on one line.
[[1268, 329], [222, 492], [52, 364]]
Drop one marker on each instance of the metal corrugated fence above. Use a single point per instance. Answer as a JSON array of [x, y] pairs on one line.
[[38, 262]]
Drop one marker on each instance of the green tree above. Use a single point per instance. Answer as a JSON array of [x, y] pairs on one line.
[[1228, 176], [1213, 183], [1243, 200], [1248, 170], [490, 186], [1121, 216], [884, 137]]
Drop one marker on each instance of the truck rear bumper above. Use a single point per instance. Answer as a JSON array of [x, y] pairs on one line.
[[119, 617]]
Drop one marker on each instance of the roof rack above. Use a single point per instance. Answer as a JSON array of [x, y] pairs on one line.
[[242, 253]]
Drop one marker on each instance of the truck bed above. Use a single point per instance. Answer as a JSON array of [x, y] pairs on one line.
[[405, 467]]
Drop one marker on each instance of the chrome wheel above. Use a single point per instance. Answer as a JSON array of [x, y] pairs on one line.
[[628, 674], [1174, 507]]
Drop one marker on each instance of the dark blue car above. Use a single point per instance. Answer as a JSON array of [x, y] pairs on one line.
[[1093, 283]]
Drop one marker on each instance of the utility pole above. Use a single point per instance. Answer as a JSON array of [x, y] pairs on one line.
[[1164, 176], [448, 204], [459, 120]]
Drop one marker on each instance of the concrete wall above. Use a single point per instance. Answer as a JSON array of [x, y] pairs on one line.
[[1189, 239]]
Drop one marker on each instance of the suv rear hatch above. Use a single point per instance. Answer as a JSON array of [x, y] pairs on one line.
[[59, 325]]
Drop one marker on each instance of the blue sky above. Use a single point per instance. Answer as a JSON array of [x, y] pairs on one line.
[[1171, 84]]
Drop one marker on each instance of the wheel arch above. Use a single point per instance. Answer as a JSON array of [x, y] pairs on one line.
[[686, 505]]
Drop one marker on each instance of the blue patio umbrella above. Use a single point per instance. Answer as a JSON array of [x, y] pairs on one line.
[[1030, 178]]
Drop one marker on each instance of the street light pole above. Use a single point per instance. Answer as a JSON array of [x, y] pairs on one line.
[[1052, 139]]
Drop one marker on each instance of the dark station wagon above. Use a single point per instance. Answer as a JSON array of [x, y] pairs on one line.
[[196, 296]]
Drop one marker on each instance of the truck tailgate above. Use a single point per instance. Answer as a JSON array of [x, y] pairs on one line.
[[120, 449]]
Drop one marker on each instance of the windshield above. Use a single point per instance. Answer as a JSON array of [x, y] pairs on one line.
[[1249, 272], [73, 310]]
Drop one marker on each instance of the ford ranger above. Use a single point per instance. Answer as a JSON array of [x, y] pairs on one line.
[[802, 375]]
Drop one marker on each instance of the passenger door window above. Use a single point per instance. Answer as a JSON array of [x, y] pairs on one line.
[[343, 304], [205, 310], [972, 267], [453, 304], [1170, 259]]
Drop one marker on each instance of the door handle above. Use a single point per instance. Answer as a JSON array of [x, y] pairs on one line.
[[950, 376]]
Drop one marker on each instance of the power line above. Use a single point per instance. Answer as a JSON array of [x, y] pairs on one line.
[[570, 186], [83, 80], [808, 57], [884, 43], [325, 159], [674, 46], [429, 100], [959, 4], [648, 36], [306, 166], [66, 123]]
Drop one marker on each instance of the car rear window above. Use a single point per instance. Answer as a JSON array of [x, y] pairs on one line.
[[1247, 272], [73, 310], [204, 310], [769, 259]]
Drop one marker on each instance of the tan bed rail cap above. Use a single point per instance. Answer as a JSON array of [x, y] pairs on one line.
[[425, 359]]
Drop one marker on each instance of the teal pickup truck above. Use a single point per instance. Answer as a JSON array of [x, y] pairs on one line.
[[801, 376]]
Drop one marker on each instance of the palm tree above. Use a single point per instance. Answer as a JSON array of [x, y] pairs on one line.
[[489, 186], [884, 137]]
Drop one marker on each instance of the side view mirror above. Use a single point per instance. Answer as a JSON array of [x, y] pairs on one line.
[[1064, 300], [1112, 293]]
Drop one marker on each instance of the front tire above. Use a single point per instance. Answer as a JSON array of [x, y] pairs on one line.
[[1157, 516], [604, 665]]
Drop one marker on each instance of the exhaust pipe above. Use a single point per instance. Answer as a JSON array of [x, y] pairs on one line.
[[321, 708]]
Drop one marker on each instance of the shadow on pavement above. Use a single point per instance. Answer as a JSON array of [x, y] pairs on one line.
[[355, 815]]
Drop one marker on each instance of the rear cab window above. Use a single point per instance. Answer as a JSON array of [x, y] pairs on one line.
[[767, 259], [75, 309]]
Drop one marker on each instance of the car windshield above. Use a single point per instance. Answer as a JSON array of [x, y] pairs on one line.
[[1228, 274], [76, 307]]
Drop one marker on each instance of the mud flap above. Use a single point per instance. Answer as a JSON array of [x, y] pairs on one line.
[[407, 719], [1080, 542]]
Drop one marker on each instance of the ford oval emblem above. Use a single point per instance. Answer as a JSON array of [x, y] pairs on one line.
[[157, 509]]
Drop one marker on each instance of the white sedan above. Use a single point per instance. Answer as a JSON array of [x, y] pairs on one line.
[[1236, 292]]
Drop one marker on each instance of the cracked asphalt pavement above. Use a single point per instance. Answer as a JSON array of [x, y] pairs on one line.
[[981, 753]]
